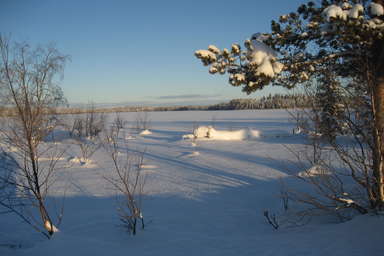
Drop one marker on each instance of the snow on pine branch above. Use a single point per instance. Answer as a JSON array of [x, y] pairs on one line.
[[343, 12], [258, 60], [206, 56], [376, 9], [263, 57], [347, 11], [257, 64]]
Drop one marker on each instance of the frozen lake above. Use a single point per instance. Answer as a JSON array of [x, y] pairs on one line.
[[201, 197]]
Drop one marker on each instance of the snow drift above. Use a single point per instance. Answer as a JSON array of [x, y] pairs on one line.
[[208, 132], [145, 132]]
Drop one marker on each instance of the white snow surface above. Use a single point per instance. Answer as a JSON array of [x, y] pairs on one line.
[[208, 204]]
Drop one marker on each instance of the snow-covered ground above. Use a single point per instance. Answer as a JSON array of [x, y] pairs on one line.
[[202, 197]]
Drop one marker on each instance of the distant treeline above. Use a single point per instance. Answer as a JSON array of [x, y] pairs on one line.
[[276, 101]]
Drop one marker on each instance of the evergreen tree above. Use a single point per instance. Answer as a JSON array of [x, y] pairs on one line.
[[330, 102], [344, 38]]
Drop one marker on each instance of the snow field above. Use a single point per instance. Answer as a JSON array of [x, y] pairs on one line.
[[202, 197]]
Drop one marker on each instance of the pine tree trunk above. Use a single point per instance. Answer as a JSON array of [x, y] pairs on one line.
[[378, 133], [378, 152]]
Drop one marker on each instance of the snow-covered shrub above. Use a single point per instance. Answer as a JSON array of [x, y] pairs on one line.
[[331, 187], [118, 122], [87, 148], [142, 121], [89, 125]]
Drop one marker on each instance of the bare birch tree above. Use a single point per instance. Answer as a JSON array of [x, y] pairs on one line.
[[28, 86]]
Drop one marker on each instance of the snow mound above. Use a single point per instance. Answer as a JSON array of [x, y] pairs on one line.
[[208, 132], [254, 133], [188, 136], [228, 135], [202, 132], [148, 166], [82, 161], [129, 137], [194, 153], [315, 171], [50, 227], [146, 132]]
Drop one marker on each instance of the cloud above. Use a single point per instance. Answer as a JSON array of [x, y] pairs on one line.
[[187, 96]]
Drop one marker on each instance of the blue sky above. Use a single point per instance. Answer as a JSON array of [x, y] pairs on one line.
[[140, 51]]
